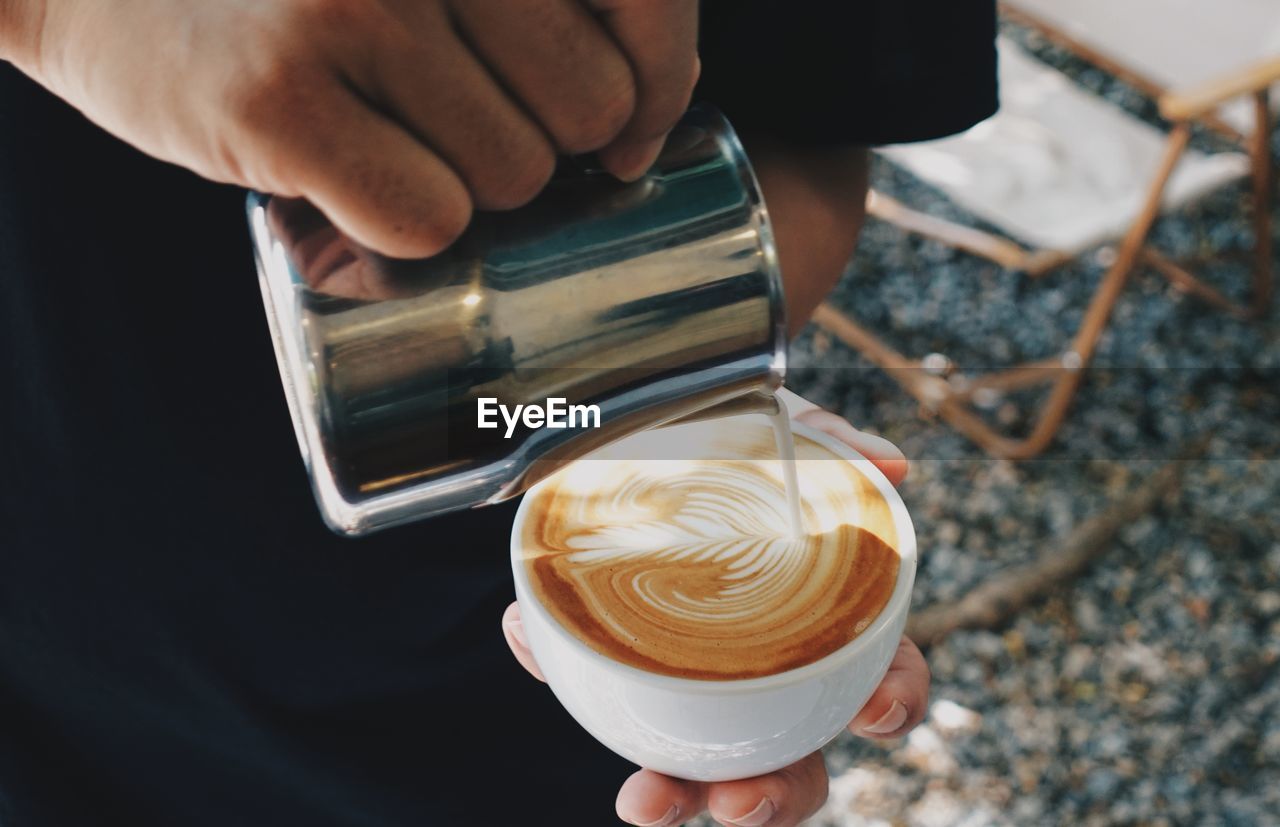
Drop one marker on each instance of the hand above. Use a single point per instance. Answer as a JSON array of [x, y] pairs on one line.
[[395, 117], [791, 794]]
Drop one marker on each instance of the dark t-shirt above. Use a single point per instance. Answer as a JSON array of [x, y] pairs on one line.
[[182, 642]]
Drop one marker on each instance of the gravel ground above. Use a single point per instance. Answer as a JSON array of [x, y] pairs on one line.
[[1147, 691]]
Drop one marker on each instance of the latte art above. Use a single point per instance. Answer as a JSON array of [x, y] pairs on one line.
[[688, 568]]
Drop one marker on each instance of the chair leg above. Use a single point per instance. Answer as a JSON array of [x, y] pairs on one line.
[[936, 394], [1260, 149], [1002, 251], [1182, 279], [1262, 179], [950, 403]]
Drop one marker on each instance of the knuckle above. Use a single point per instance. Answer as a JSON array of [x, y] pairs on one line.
[[333, 26], [264, 108], [601, 114], [419, 217], [276, 83], [683, 81], [256, 95], [440, 227], [664, 108], [658, 121], [516, 182], [690, 83], [333, 15]]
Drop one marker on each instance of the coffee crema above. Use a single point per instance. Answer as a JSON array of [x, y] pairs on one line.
[[686, 567]]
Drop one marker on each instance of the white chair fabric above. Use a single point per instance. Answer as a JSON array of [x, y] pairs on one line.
[[1058, 168], [1177, 44]]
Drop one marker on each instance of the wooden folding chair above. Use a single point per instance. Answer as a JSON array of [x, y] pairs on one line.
[[1164, 46], [1176, 175]]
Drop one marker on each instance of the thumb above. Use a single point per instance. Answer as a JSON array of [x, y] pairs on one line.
[[513, 631]]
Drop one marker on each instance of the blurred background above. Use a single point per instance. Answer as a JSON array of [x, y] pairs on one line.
[[1139, 684]]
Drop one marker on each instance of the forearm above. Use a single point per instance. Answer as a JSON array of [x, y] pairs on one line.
[[817, 201]]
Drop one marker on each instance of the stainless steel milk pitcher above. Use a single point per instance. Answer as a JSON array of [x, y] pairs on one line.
[[631, 304]]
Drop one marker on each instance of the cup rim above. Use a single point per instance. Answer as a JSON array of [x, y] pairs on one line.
[[898, 604]]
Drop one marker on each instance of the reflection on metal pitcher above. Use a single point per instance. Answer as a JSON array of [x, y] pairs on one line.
[[650, 301]]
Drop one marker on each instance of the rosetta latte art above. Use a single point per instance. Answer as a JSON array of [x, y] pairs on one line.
[[687, 567]]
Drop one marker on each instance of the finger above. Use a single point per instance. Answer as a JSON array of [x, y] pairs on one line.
[[558, 61], [376, 182], [899, 703], [513, 631], [660, 38], [320, 253], [439, 90], [779, 799], [651, 799], [307, 235], [883, 454]]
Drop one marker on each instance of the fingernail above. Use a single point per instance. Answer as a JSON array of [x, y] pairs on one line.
[[758, 817], [668, 818], [515, 628], [891, 721]]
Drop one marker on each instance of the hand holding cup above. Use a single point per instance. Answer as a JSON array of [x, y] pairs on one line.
[[787, 795]]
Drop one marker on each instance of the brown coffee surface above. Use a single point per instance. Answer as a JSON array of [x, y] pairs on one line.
[[686, 567]]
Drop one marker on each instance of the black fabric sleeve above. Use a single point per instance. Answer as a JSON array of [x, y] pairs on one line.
[[849, 71]]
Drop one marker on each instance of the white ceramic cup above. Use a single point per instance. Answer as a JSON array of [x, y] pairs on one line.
[[709, 730]]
